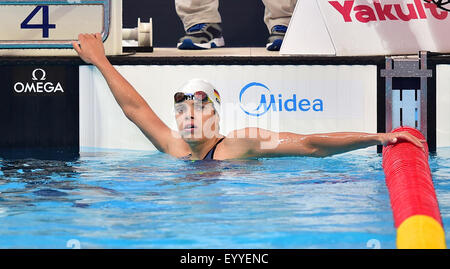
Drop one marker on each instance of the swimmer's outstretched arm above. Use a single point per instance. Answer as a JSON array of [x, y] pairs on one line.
[[135, 108], [270, 144]]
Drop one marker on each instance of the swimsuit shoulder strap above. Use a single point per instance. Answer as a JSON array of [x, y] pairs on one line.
[[210, 155]]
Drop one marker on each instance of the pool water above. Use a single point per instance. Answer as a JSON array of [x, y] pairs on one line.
[[137, 199]]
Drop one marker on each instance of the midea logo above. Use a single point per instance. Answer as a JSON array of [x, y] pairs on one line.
[[256, 100], [39, 76]]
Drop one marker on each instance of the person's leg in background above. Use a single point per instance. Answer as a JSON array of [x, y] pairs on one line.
[[277, 16], [201, 20]]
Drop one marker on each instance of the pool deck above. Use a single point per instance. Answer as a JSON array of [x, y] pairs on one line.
[[217, 52], [217, 56], [235, 56]]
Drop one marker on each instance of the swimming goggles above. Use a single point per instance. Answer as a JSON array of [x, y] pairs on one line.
[[197, 96]]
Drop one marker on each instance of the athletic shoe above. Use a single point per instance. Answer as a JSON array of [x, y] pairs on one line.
[[202, 36], [276, 37]]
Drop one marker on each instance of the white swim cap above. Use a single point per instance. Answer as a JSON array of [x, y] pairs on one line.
[[195, 85]]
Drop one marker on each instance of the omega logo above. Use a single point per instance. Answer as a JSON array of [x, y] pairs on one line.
[[39, 84]]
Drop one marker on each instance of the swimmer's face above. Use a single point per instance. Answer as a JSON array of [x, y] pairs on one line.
[[196, 121]]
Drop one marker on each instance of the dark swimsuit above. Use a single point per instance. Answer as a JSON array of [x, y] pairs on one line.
[[210, 155]]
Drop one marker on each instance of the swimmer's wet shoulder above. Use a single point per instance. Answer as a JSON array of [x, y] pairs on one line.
[[243, 143], [231, 148], [238, 144]]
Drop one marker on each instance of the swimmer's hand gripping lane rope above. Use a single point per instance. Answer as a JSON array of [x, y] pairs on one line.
[[413, 198]]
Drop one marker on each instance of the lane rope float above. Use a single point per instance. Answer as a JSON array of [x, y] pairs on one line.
[[412, 195]]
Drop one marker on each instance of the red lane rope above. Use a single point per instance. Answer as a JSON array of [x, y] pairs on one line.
[[408, 178]]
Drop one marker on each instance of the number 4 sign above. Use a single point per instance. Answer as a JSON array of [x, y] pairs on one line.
[[48, 27], [45, 26], [53, 24]]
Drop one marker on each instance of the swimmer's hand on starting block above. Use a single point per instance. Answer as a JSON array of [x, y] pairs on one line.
[[90, 48], [393, 138]]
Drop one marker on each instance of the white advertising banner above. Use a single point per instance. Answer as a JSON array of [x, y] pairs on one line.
[[443, 105], [368, 27], [300, 99]]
